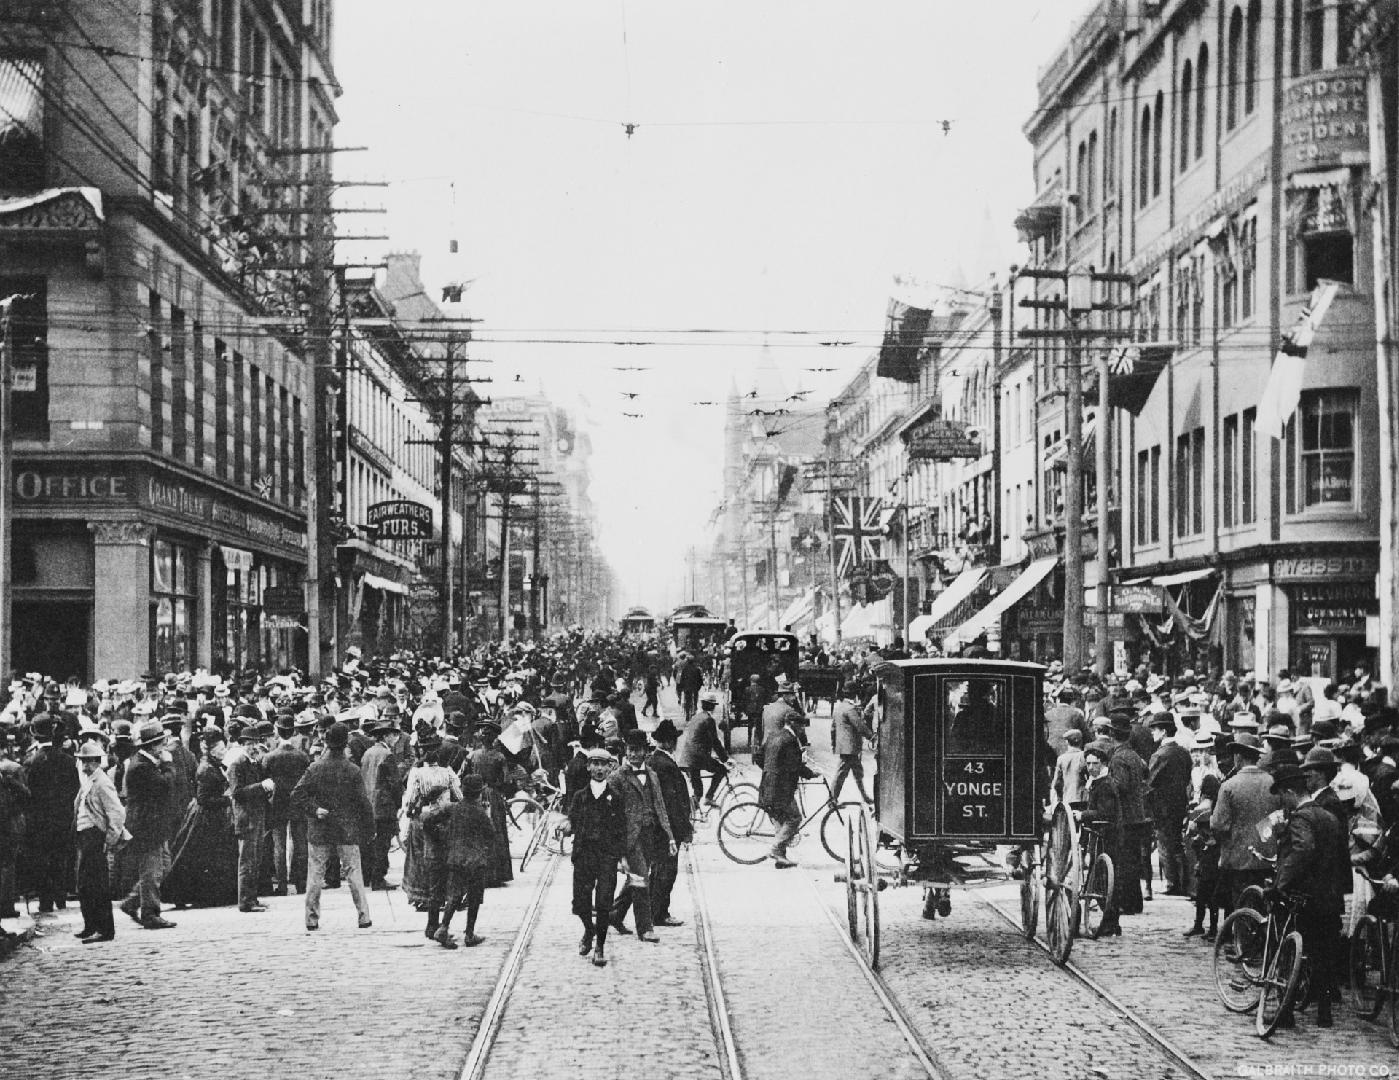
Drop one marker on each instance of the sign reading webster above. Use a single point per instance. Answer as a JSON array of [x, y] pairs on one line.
[[401, 519], [1325, 120]]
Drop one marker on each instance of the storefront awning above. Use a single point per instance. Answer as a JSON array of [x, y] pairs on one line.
[[1183, 577], [858, 623], [798, 609], [1031, 576], [383, 584], [1058, 456], [962, 587]]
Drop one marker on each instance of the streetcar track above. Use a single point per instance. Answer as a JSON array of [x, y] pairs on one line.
[[927, 1057], [486, 1032], [729, 1062], [1161, 1041]]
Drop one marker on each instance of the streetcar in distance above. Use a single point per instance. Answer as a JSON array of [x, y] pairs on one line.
[[694, 629], [638, 621], [963, 769], [766, 654]]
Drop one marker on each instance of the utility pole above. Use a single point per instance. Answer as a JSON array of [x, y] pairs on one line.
[[1077, 304], [320, 542], [7, 453], [445, 434]]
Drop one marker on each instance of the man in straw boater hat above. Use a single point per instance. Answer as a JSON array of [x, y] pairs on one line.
[[101, 825], [1313, 865], [148, 785]]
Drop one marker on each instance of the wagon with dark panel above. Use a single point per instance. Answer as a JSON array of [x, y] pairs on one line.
[[963, 775]]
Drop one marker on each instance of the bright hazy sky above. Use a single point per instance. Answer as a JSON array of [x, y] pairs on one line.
[[789, 158]]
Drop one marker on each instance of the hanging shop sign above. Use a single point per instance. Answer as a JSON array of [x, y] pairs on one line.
[[284, 601], [401, 519], [1325, 120], [1138, 599], [944, 440]]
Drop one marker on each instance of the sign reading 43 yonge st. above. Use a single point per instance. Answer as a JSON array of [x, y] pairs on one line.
[[401, 520]]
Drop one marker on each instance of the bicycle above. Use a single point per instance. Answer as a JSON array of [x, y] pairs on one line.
[[1258, 962], [733, 788], [1374, 959], [1096, 881], [547, 834], [746, 831]]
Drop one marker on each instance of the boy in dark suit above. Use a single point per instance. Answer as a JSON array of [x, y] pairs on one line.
[[597, 821]]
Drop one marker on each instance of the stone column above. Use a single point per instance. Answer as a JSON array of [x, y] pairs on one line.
[[121, 598]]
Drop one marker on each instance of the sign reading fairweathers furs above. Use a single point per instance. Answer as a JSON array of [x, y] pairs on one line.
[[944, 440], [401, 520]]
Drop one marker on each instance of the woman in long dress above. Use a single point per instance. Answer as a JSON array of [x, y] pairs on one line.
[[430, 783], [204, 853]]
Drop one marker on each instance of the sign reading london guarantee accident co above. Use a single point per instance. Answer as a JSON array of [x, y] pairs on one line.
[[1325, 120]]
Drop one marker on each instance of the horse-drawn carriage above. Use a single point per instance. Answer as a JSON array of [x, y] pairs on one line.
[[762, 653], [819, 683], [963, 770]]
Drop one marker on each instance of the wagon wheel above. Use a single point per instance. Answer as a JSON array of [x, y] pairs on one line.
[[1060, 846], [852, 907], [1031, 891], [1058, 924], [869, 910]]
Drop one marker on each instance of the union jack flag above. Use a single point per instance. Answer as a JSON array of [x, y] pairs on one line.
[[855, 531]]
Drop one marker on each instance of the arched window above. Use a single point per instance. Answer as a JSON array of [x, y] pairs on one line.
[[1251, 29], [1092, 172], [1156, 144], [1185, 105], [1232, 71], [1144, 158], [1202, 76]]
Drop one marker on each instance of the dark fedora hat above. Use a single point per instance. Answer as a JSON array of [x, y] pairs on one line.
[[665, 731], [1288, 776], [1246, 742]]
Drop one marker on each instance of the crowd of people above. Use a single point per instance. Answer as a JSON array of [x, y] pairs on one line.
[[187, 790], [1232, 782]]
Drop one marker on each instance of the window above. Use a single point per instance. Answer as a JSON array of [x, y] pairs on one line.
[[1081, 183], [1248, 266], [1144, 158], [1197, 297], [1110, 157], [1227, 274], [1255, 17], [155, 349], [1313, 27], [1228, 509], [1183, 299], [1148, 516], [172, 607], [240, 421], [1189, 483], [29, 335], [1092, 172], [1233, 69], [197, 365], [1320, 451], [1298, 33], [1248, 509], [179, 395], [1185, 108], [22, 161], [1156, 144], [1202, 70]]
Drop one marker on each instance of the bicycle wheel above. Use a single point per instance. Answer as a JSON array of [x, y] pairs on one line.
[[739, 817], [522, 814], [833, 826], [1367, 968], [748, 837], [1238, 955], [1279, 987], [1097, 895], [731, 793]]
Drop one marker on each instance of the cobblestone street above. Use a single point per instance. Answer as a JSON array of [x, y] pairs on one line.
[[228, 995]]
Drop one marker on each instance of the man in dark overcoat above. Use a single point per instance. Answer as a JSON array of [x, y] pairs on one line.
[[649, 835], [54, 779], [148, 784], [677, 804], [1168, 796]]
